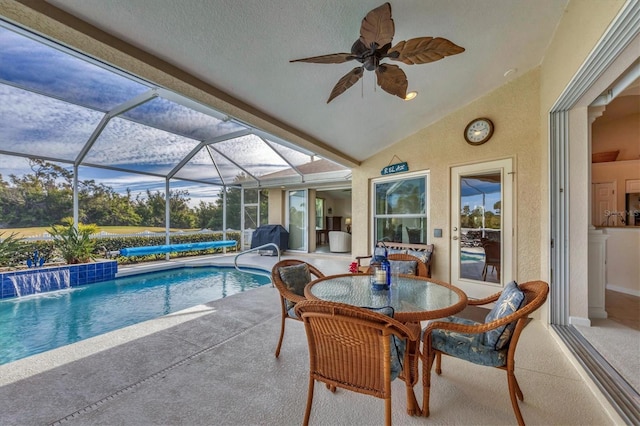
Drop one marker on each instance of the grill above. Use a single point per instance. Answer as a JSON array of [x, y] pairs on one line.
[[266, 234]]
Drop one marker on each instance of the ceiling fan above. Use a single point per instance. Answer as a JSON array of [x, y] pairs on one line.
[[374, 45]]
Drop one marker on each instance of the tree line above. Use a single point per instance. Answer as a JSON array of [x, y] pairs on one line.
[[44, 197]]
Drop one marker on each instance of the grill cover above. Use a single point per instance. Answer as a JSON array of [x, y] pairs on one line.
[[270, 234]]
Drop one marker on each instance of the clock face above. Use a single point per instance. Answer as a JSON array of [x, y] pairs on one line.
[[478, 131]]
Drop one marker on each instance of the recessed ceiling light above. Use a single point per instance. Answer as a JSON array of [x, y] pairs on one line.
[[510, 72], [410, 95]]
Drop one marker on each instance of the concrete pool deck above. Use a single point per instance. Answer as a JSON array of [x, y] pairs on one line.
[[214, 364]]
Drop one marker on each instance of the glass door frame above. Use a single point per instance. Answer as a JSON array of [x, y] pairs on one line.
[[478, 288], [305, 219]]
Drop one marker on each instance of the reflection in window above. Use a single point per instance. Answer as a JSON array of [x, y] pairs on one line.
[[400, 212], [319, 213]]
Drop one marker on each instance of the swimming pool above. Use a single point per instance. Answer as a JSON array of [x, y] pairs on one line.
[[38, 323]]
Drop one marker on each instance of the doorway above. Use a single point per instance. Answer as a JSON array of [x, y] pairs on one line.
[[482, 227], [297, 214]]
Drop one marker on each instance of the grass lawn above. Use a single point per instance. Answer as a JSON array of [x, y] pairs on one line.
[[36, 231]]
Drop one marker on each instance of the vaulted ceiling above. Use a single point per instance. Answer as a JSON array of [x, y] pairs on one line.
[[243, 49]]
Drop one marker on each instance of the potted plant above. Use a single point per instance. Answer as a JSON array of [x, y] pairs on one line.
[[74, 243]]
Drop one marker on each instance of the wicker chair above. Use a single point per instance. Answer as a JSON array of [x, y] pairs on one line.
[[421, 268], [474, 342], [491, 257], [353, 348], [289, 295]]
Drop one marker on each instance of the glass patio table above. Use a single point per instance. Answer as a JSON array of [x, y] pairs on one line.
[[412, 298]]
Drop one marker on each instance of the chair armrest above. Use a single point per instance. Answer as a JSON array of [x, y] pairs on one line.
[[474, 329], [485, 301], [358, 258]]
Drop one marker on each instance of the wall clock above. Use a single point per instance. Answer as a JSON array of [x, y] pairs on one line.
[[478, 131]]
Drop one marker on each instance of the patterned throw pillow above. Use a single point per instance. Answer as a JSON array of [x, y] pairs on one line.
[[403, 267], [509, 301], [295, 277], [424, 256]]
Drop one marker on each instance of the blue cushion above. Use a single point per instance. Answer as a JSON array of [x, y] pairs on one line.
[[295, 277], [398, 346], [469, 347], [423, 256], [509, 301], [403, 266], [397, 251]]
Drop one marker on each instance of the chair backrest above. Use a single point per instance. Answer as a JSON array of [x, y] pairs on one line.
[[421, 269], [282, 287], [350, 347], [491, 251]]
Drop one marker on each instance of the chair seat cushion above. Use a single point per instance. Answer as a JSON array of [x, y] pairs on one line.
[[469, 347], [510, 300], [295, 277]]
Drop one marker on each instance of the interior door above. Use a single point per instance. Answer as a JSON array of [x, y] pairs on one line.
[[604, 202], [482, 227], [297, 220]]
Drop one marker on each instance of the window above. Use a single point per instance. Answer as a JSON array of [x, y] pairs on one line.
[[319, 213], [400, 209]]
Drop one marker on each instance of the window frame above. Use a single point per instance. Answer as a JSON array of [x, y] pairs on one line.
[[423, 216]]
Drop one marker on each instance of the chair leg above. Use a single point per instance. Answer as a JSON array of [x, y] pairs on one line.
[[307, 412], [281, 334], [427, 364], [515, 394], [438, 363], [387, 411]]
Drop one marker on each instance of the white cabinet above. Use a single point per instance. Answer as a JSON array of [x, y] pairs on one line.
[[632, 185]]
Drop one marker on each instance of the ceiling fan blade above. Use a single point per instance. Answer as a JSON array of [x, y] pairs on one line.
[[392, 80], [333, 58], [423, 50], [345, 82], [377, 27]]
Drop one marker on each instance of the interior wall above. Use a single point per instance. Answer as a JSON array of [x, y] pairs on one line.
[[618, 172], [513, 108], [621, 135]]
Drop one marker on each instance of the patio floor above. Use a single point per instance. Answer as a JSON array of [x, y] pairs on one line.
[[214, 364]]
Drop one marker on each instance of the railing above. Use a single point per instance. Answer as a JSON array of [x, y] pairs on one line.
[[235, 259]]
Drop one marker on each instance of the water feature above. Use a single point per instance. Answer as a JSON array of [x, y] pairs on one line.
[[40, 281], [45, 321]]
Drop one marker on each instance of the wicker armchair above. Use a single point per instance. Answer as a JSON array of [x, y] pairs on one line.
[[290, 292], [421, 269], [491, 257], [492, 343], [355, 349]]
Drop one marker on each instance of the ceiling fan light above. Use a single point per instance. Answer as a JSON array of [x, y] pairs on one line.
[[410, 96]]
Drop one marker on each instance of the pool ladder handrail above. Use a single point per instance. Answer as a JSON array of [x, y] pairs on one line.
[[235, 259]]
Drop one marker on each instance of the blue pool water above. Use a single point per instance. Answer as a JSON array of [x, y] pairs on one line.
[[466, 256], [34, 324]]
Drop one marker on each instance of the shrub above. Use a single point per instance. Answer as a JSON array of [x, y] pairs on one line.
[[10, 249]]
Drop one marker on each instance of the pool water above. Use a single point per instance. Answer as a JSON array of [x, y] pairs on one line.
[[38, 323]]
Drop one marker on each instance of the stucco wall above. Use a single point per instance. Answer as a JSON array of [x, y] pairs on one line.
[[514, 110]]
